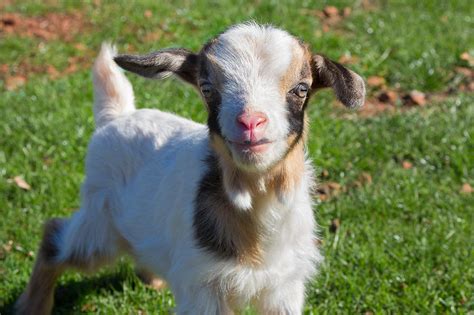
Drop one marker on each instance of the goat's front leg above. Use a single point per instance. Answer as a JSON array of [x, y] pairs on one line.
[[201, 301], [285, 300]]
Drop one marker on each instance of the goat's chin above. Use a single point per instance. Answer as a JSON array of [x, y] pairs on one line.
[[258, 161]]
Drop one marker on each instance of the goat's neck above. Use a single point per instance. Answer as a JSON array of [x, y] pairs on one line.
[[234, 214], [247, 189]]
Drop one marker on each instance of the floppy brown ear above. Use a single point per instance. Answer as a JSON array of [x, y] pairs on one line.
[[348, 85], [162, 63]]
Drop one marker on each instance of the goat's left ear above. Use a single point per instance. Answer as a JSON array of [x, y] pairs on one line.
[[348, 85], [162, 63]]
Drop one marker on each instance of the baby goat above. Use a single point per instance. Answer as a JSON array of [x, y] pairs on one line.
[[222, 212]]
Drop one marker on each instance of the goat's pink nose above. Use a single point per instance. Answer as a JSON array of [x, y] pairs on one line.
[[252, 120]]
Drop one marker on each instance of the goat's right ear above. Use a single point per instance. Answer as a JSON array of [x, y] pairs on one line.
[[162, 63]]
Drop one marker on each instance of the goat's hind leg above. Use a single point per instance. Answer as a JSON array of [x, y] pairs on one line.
[[38, 295], [84, 242]]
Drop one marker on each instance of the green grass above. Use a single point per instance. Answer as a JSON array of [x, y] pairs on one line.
[[405, 244]]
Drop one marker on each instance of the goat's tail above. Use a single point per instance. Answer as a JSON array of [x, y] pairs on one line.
[[113, 93]]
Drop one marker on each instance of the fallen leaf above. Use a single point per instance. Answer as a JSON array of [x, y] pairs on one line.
[[325, 173], [346, 12], [88, 307], [334, 226], [334, 185], [348, 59], [80, 46], [8, 246], [20, 182], [465, 71], [52, 72], [148, 14], [415, 98], [407, 165], [14, 82], [331, 11], [365, 178], [375, 81], [467, 57], [388, 96], [466, 189], [4, 68]]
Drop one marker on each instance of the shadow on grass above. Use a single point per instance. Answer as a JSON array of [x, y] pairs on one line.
[[69, 295]]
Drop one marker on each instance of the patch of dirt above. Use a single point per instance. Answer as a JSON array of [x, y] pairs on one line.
[[52, 26], [15, 76]]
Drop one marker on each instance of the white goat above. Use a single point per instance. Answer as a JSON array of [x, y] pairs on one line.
[[222, 212]]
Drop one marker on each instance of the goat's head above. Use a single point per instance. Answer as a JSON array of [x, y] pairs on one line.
[[256, 82]]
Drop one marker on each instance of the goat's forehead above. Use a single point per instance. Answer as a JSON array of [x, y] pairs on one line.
[[250, 50]]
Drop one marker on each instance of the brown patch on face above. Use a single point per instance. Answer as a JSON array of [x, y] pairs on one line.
[[298, 70]]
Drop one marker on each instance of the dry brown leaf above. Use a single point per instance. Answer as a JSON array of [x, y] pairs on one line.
[[331, 11], [407, 165], [148, 14], [375, 81], [465, 71], [388, 96], [80, 46], [325, 173], [88, 307], [346, 12], [52, 72], [414, 98], [20, 182], [468, 58], [348, 59], [466, 189], [4, 68], [334, 186], [334, 226], [14, 82], [365, 178], [8, 246]]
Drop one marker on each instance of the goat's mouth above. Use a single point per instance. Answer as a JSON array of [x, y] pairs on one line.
[[249, 147]]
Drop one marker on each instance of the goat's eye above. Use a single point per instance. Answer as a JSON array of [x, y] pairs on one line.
[[206, 89], [301, 90]]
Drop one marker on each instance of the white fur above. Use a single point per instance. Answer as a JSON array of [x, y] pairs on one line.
[[252, 60], [143, 170]]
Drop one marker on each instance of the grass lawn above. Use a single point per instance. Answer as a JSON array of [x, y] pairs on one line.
[[396, 222]]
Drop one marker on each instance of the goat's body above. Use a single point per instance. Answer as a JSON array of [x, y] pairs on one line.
[[143, 171], [222, 212]]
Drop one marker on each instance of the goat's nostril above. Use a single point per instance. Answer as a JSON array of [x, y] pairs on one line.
[[261, 121]]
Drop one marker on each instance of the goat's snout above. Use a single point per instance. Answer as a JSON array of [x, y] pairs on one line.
[[252, 126]]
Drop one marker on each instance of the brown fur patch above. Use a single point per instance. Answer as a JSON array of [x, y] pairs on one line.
[[232, 232], [220, 227], [296, 72], [286, 175]]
